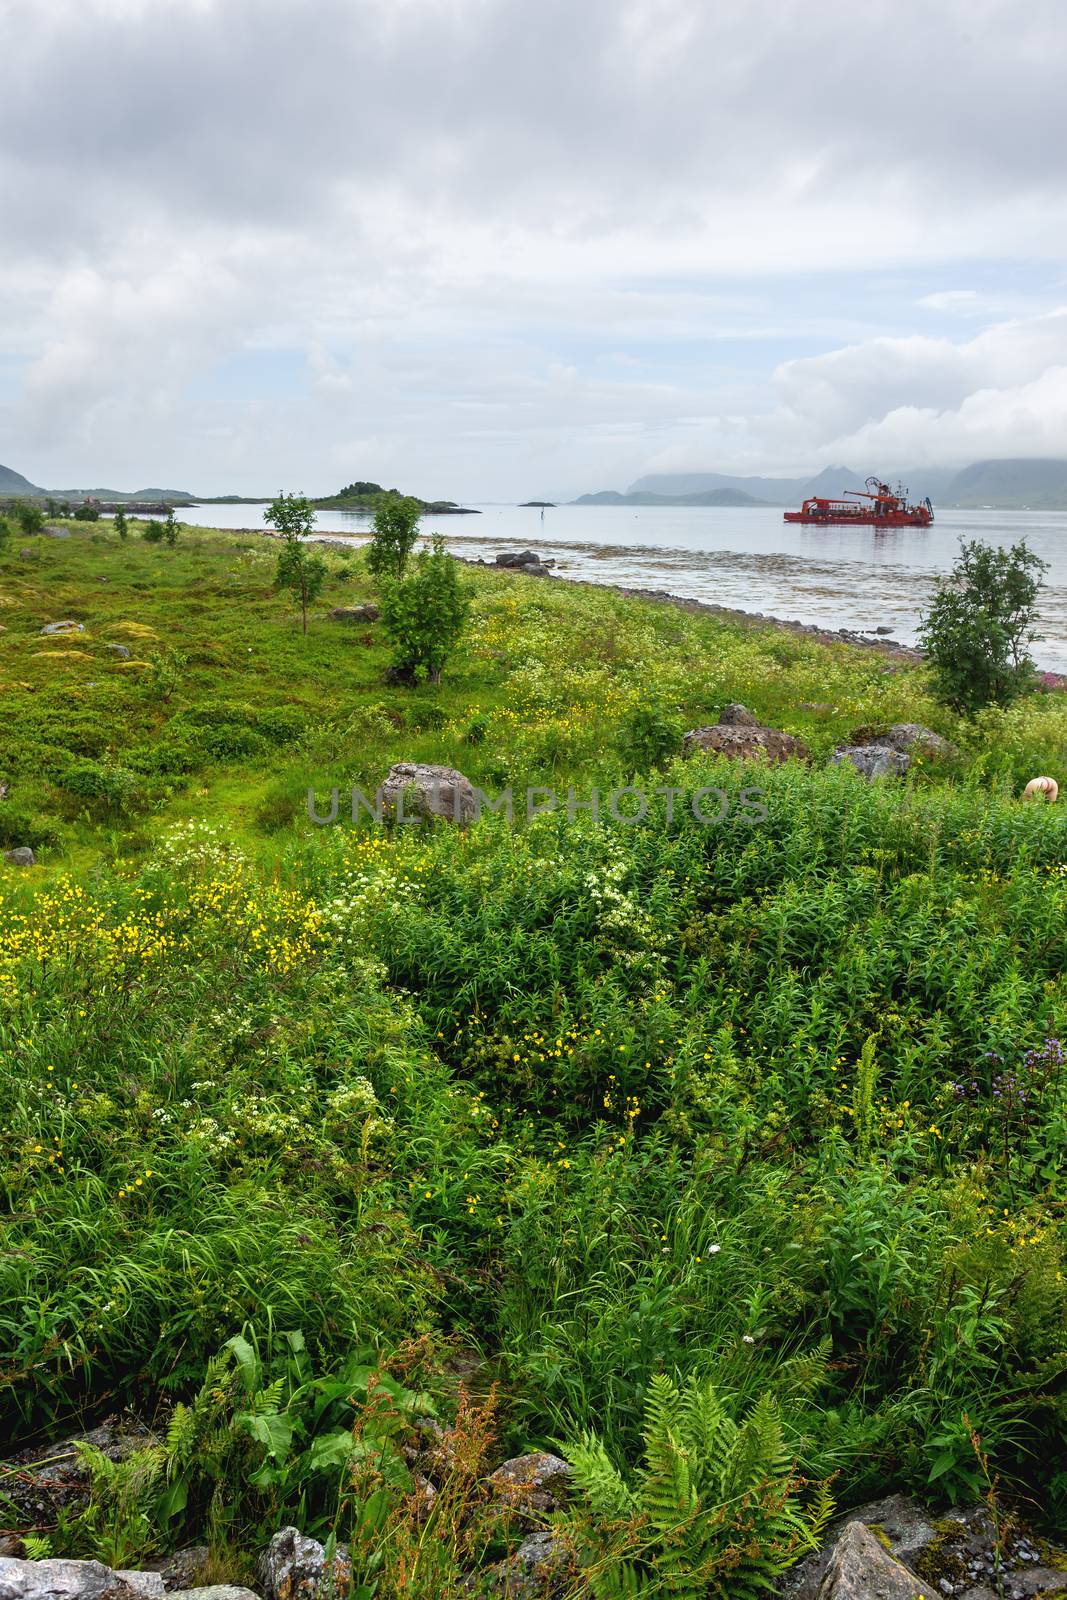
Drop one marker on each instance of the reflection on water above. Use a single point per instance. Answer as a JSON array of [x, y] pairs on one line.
[[748, 559]]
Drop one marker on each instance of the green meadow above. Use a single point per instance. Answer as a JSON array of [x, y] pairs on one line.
[[300, 1124]]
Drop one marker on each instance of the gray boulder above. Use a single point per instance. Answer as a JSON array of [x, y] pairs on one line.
[[746, 743], [52, 532], [518, 558], [62, 629], [367, 613], [121, 651], [534, 1482], [73, 1580], [538, 1568], [860, 1568], [21, 856], [42, 1482], [417, 789], [293, 1567], [913, 737], [952, 1553], [215, 1591], [184, 1568], [873, 760], [735, 715]]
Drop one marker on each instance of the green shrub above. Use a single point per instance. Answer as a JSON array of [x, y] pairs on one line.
[[29, 516], [396, 530], [425, 614], [280, 806], [112, 787], [19, 825], [87, 513], [979, 624]]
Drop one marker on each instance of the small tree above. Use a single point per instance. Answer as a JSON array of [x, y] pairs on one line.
[[396, 528], [294, 517], [425, 613], [121, 525], [87, 513], [152, 531], [29, 517], [5, 531], [979, 623], [171, 528]]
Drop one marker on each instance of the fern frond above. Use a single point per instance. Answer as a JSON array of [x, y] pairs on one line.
[[599, 1481], [801, 1375], [758, 1452], [708, 1433]]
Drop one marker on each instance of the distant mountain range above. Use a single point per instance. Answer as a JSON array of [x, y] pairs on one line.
[[12, 482], [647, 497], [1040, 485]]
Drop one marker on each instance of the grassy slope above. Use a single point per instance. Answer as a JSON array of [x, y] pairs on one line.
[[595, 1099], [258, 710]]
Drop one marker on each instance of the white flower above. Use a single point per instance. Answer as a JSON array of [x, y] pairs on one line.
[[746, 1338], [713, 1249]]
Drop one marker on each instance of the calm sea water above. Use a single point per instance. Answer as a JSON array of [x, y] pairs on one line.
[[744, 558]]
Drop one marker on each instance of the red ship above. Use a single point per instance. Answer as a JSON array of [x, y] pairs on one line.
[[877, 506]]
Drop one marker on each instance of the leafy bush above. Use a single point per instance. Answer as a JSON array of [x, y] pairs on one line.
[[396, 529], [29, 516], [19, 825], [979, 624], [88, 513], [650, 737], [424, 614], [152, 532], [112, 787]]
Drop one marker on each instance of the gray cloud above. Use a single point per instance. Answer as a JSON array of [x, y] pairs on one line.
[[479, 234]]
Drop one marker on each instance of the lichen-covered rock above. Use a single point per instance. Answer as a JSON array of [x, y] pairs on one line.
[[534, 1482], [71, 1580], [735, 715], [873, 760], [293, 1567], [744, 742], [538, 1568], [956, 1554], [861, 1568], [53, 1478], [21, 856], [912, 736], [217, 1591], [62, 629], [417, 789], [121, 651], [184, 1568], [365, 613]]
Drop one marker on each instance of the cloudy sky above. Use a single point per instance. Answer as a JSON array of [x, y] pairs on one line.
[[494, 249]]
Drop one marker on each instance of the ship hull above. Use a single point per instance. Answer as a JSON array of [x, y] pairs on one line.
[[895, 519]]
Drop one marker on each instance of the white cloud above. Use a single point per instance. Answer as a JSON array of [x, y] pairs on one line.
[[516, 245]]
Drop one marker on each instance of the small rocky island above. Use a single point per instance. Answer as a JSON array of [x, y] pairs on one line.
[[362, 498]]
